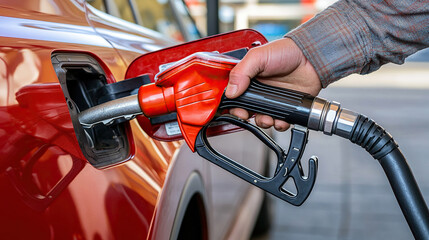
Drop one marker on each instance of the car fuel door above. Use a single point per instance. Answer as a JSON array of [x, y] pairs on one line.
[[84, 84]]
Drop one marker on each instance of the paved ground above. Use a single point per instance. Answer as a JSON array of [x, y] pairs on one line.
[[352, 198]]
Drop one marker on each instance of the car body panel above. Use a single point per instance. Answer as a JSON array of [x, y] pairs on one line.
[[49, 191]]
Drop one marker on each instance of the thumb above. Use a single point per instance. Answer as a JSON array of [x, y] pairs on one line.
[[240, 75]]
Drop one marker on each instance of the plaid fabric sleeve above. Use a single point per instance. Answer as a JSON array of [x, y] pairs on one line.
[[360, 36]]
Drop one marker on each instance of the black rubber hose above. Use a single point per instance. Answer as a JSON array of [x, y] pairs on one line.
[[407, 193], [382, 147]]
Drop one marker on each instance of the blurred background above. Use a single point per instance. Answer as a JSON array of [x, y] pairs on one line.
[[273, 18]]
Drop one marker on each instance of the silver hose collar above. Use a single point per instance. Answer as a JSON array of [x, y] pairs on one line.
[[317, 113], [330, 118], [344, 123]]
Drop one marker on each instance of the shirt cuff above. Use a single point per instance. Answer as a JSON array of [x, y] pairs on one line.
[[336, 42]]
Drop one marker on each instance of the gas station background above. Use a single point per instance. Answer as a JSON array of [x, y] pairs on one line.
[[273, 18]]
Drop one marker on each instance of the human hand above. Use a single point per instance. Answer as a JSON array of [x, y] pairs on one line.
[[280, 63]]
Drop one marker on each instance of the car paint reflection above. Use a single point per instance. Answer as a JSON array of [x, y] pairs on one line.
[[39, 128]]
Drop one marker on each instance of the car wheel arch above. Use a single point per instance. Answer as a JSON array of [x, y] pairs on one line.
[[193, 198]]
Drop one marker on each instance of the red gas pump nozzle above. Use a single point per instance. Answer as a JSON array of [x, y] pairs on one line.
[[194, 86]]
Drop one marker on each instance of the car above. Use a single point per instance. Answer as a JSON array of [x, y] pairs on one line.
[[55, 56]]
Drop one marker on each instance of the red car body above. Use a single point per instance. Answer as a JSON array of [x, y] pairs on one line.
[[50, 191]]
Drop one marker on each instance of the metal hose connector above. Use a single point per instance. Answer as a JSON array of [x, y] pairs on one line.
[[330, 118]]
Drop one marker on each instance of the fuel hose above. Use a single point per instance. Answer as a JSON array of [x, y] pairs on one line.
[[322, 115]]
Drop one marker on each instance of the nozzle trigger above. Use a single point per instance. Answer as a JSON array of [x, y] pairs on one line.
[[288, 164]]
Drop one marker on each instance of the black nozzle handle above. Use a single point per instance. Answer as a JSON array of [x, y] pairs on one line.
[[291, 106]]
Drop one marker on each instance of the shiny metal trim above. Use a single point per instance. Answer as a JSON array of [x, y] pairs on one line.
[[328, 123], [300, 128], [316, 113], [344, 124], [106, 113]]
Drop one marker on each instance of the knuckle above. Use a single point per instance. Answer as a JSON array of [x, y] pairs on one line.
[[240, 113], [235, 75], [281, 125], [264, 121]]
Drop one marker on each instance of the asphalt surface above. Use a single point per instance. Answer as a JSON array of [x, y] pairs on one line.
[[352, 198]]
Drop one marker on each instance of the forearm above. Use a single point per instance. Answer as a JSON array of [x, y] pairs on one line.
[[360, 36]]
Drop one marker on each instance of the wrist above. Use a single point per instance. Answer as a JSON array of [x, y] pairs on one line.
[[305, 76], [333, 42]]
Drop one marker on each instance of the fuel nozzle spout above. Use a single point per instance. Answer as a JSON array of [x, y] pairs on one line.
[[106, 113]]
